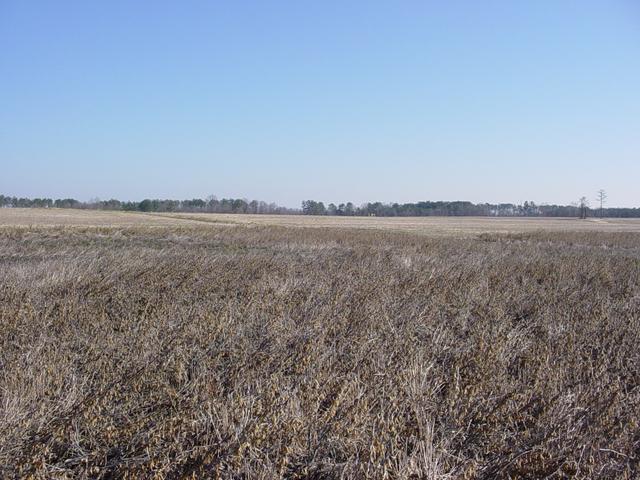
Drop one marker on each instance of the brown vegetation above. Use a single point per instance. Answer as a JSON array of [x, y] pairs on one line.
[[438, 226], [271, 352]]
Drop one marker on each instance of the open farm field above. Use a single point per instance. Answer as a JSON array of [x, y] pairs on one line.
[[447, 226], [166, 346], [439, 226], [52, 217]]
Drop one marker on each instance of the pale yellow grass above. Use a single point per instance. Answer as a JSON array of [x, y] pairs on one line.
[[458, 226], [432, 225], [54, 217]]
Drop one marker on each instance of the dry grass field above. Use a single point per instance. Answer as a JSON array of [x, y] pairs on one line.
[[174, 346], [447, 226], [440, 226]]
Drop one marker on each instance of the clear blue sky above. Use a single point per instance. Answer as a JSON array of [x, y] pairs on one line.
[[499, 101]]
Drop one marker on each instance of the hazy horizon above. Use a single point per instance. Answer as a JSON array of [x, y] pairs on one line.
[[591, 202], [495, 103]]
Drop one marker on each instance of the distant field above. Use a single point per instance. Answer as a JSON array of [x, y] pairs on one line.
[[69, 217], [464, 226], [427, 225]]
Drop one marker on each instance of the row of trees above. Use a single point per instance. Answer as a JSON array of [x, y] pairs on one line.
[[39, 202], [311, 207], [458, 208], [210, 205]]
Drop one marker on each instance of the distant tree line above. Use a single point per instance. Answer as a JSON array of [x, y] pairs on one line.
[[460, 208], [209, 205], [312, 207]]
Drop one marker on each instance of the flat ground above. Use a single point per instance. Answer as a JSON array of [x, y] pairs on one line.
[[215, 346], [466, 226]]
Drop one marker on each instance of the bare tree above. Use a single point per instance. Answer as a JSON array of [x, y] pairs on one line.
[[583, 204], [602, 198]]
